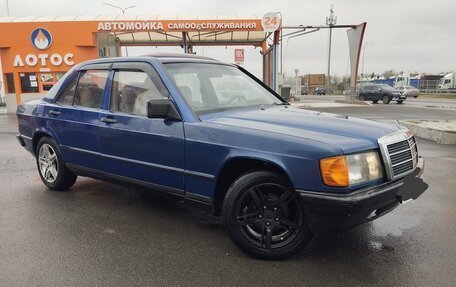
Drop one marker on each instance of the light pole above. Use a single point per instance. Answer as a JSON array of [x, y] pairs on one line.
[[331, 20], [123, 13], [7, 8], [364, 56]]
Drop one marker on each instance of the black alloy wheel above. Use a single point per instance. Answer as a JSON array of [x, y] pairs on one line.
[[265, 217]]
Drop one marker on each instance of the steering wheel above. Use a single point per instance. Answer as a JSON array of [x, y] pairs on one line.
[[236, 98]]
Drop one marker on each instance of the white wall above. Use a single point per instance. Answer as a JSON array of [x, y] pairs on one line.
[[11, 105]]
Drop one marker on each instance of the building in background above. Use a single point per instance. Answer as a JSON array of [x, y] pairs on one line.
[[36, 51], [313, 81]]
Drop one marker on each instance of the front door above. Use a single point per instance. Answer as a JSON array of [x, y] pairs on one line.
[[134, 147]]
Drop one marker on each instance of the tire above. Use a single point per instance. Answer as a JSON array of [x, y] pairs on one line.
[[264, 217], [361, 98], [51, 167], [415, 97], [400, 102], [375, 101], [386, 100]]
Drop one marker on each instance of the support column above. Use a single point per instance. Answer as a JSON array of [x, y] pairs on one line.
[[274, 51], [17, 87], [184, 42]]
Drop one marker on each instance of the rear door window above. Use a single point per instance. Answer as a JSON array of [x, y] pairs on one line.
[[66, 97], [90, 88]]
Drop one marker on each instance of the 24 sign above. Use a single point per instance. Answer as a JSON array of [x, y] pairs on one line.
[[270, 22]]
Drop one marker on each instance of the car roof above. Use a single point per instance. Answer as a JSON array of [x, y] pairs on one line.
[[162, 57], [167, 56]]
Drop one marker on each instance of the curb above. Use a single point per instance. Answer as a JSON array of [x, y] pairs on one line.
[[440, 135]]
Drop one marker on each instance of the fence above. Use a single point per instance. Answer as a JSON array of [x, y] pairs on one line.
[[428, 86]]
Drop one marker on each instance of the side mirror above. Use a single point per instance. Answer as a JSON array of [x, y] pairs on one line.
[[162, 109]]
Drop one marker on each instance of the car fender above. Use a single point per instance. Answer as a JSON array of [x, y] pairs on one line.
[[271, 159], [44, 131]]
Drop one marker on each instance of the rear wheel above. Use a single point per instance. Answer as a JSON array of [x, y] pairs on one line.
[[375, 101], [386, 99], [53, 172], [361, 97], [265, 217]]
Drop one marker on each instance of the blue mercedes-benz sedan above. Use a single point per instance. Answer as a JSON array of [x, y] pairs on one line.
[[213, 134]]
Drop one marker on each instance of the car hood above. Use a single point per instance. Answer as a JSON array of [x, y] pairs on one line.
[[350, 134]]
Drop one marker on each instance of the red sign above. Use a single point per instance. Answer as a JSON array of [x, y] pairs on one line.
[[239, 56]]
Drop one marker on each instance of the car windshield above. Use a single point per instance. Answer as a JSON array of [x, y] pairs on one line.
[[386, 87], [215, 87]]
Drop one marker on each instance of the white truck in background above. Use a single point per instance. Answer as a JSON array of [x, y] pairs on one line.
[[402, 80], [448, 83]]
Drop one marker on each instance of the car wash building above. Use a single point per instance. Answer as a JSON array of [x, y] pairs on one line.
[[36, 52]]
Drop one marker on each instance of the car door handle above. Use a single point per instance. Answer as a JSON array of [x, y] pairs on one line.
[[108, 120], [54, 112]]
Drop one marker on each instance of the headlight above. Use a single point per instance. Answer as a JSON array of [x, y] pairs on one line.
[[345, 170]]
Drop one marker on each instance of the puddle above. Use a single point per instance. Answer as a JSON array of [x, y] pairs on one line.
[[393, 225]]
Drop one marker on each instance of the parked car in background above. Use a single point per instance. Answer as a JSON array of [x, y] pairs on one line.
[[409, 91], [319, 91], [213, 134], [380, 92]]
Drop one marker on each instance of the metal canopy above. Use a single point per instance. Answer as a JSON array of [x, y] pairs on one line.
[[158, 38]]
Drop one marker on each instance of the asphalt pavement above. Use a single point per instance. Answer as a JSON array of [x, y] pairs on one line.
[[100, 234]]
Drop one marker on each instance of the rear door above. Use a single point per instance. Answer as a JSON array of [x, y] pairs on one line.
[[74, 117], [376, 93], [367, 92], [145, 151]]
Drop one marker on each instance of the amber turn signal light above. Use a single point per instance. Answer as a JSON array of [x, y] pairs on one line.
[[334, 171]]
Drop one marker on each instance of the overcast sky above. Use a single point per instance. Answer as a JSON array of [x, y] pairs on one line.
[[418, 35]]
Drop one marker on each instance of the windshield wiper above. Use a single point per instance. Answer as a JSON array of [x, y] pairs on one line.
[[282, 104]]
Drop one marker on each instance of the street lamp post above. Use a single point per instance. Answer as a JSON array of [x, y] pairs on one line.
[[330, 21], [123, 13], [364, 56]]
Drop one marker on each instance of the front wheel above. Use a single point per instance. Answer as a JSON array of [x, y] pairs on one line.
[[386, 99], [265, 217], [53, 172]]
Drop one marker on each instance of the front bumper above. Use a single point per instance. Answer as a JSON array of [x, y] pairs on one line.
[[328, 212], [399, 97]]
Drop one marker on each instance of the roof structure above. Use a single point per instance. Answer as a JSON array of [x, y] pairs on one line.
[[167, 30]]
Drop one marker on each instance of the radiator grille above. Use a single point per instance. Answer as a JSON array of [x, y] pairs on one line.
[[403, 156]]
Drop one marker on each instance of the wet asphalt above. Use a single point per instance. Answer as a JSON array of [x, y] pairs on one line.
[[100, 234]]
